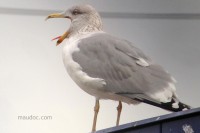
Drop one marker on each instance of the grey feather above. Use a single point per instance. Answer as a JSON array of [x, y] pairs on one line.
[[119, 63]]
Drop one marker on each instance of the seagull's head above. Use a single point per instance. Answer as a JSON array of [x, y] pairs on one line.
[[84, 18]]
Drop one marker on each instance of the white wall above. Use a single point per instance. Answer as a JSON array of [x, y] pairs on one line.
[[33, 80]]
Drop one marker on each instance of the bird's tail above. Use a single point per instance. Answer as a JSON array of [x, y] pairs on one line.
[[174, 105]]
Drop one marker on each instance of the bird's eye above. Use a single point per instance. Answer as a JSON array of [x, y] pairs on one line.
[[75, 12]]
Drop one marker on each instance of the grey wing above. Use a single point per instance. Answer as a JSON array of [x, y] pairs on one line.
[[126, 69]]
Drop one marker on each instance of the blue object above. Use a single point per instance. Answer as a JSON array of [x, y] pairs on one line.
[[180, 122]]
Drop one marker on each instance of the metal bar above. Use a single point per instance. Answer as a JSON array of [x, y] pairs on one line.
[[178, 116]]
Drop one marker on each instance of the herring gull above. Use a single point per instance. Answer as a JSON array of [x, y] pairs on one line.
[[108, 67]]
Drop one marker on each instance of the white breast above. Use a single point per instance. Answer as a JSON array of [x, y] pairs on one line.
[[89, 84]]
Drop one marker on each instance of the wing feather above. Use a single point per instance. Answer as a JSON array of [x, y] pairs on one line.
[[125, 68]]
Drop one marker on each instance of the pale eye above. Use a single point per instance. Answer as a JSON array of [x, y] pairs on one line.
[[76, 12]]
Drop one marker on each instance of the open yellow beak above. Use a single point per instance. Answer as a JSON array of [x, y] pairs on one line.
[[65, 35]]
